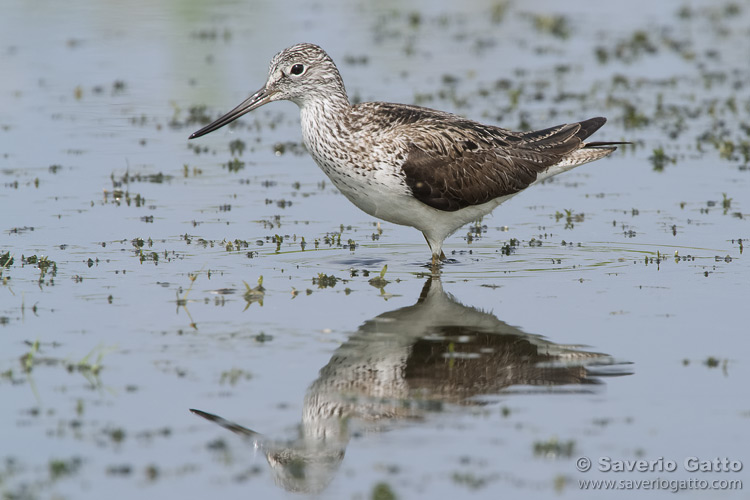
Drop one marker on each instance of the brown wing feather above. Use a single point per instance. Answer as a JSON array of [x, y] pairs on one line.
[[453, 176]]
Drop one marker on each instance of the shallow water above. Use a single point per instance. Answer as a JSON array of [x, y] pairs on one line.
[[600, 314]]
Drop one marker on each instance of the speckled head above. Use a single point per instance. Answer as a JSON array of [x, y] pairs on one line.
[[302, 74]]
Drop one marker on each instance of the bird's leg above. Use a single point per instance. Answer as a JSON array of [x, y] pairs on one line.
[[435, 257]]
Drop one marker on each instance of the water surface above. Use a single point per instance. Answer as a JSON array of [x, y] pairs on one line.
[[601, 314]]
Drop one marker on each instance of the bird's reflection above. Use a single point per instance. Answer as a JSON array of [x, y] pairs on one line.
[[408, 362]]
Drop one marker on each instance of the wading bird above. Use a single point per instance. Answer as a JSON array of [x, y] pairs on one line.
[[410, 165]]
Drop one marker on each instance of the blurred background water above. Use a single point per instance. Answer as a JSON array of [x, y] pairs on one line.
[[599, 314]]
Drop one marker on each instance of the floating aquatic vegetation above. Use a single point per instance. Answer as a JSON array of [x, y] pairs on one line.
[[553, 448], [556, 25], [325, 281], [571, 218], [659, 159], [380, 281], [255, 294]]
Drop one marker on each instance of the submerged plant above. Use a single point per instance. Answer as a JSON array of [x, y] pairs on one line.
[[659, 159], [86, 366], [380, 281], [6, 260], [726, 202], [324, 281], [570, 218], [256, 294], [27, 360], [553, 448]]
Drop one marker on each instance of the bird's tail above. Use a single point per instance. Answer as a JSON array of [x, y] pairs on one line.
[[602, 144], [591, 151]]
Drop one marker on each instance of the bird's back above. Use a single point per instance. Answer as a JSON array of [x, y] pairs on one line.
[[450, 162]]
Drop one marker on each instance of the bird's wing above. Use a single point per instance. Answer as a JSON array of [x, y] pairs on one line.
[[464, 163]]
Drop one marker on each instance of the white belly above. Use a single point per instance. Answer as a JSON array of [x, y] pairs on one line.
[[384, 194]]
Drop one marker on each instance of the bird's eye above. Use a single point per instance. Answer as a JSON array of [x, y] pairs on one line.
[[297, 69]]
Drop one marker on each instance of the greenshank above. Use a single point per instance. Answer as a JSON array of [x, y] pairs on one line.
[[411, 165]]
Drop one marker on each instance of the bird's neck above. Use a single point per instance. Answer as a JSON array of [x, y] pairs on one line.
[[324, 116], [330, 104]]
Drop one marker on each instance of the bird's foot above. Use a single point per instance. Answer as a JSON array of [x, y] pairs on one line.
[[437, 261]]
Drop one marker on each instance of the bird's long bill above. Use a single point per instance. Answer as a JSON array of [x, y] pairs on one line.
[[256, 100]]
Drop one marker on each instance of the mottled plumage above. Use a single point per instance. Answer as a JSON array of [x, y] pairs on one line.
[[410, 165]]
